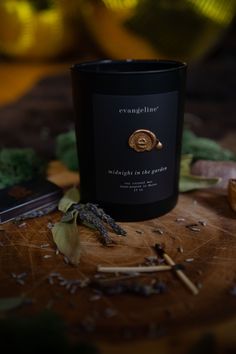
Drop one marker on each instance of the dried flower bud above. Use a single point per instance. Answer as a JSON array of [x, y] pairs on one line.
[[232, 193]]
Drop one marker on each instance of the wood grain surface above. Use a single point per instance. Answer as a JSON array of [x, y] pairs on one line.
[[213, 268]]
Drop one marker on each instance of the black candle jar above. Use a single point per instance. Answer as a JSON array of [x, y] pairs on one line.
[[129, 117]]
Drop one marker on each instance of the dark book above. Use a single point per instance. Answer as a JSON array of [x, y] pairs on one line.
[[27, 196]]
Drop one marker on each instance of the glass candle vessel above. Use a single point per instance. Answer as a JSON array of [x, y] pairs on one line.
[[129, 118]]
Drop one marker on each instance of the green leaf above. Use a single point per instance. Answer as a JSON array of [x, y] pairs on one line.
[[191, 182], [10, 303], [66, 237], [72, 196]]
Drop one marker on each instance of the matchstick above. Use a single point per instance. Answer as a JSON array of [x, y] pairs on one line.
[[145, 269], [188, 283]]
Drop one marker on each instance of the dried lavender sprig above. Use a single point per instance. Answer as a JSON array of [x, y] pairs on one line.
[[106, 218], [133, 288], [88, 216], [36, 213]]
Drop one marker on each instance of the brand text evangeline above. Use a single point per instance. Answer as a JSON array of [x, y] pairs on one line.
[[138, 110]]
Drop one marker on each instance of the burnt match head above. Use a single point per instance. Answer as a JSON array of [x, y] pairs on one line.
[[160, 250]]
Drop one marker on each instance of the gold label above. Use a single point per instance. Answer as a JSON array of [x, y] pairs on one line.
[[144, 140]]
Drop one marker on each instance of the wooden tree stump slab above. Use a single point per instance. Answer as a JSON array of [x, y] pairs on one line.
[[29, 248]]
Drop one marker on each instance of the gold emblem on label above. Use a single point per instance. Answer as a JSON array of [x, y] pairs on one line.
[[144, 140]]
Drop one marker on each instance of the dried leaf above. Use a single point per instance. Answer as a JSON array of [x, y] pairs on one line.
[[69, 216], [72, 196], [232, 193], [185, 164], [66, 236], [10, 303], [191, 182]]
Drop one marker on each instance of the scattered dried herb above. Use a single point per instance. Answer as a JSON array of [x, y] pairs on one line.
[[36, 213], [22, 225], [152, 259], [71, 285], [180, 249], [109, 312], [158, 231], [44, 245], [50, 225], [179, 220], [46, 256], [132, 288], [202, 223], [66, 260], [19, 278], [193, 227]]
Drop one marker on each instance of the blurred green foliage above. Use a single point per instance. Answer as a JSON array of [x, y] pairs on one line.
[[204, 149], [66, 150], [18, 165]]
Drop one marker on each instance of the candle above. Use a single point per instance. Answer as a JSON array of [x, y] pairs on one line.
[[129, 117]]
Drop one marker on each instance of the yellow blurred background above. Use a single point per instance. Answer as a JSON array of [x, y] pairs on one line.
[[48, 29], [42, 37]]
